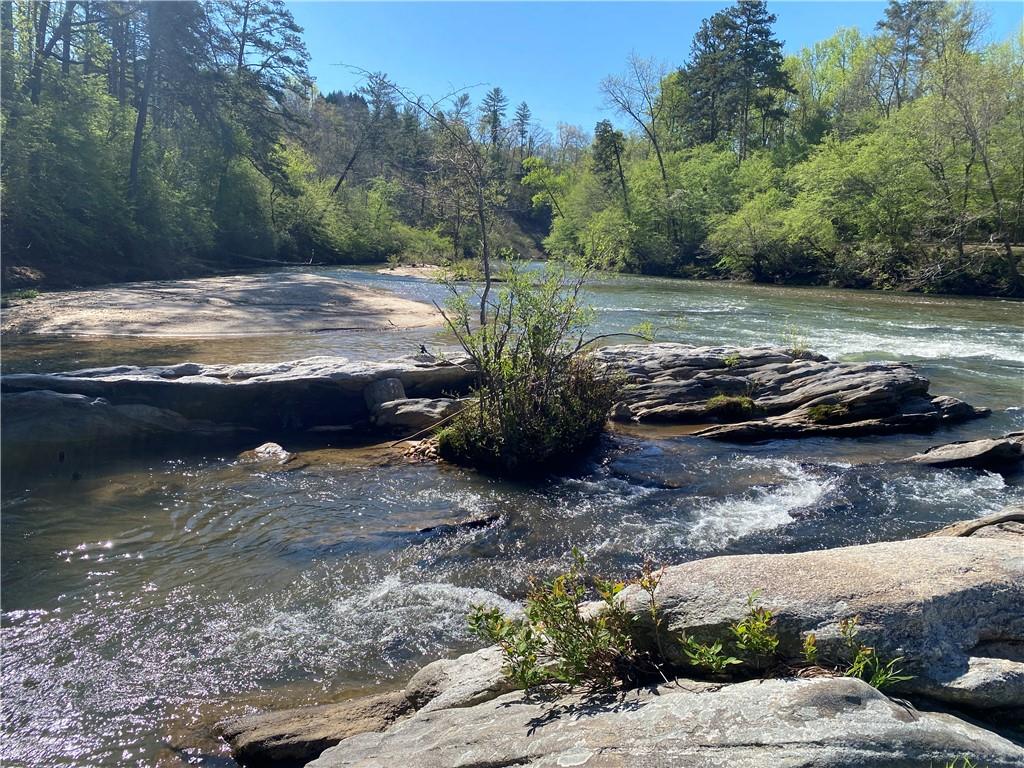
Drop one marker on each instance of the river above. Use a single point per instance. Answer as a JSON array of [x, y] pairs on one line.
[[142, 603]]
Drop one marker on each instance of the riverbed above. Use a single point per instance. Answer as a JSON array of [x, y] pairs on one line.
[[143, 602]]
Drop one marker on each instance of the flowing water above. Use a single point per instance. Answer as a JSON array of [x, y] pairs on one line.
[[142, 603]]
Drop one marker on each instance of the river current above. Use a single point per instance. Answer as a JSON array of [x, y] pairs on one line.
[[142, 603]]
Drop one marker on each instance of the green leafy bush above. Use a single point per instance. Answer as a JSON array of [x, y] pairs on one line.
[[557, 643], [539, 399]]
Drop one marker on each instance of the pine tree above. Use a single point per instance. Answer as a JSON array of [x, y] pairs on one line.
[[606, 154], [493, 111]]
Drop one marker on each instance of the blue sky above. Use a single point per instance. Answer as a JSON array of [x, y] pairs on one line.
[[550, 54]]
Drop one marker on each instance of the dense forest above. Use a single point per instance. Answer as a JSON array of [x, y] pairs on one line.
[[147, 139]]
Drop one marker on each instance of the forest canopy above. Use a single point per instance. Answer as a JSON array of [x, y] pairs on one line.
[[148, 139]]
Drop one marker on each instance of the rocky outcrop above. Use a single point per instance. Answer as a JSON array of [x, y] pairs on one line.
[[937, 602], [769, 392], [950, 604], [998, 454], [105, 411], [838, 722], [754, 393], [297, 395], [293, 737], [1008, 524]]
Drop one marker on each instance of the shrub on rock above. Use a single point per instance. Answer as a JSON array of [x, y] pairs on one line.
[[539, 398]]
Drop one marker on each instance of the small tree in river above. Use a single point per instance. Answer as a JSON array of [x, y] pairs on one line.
[[540, 398]]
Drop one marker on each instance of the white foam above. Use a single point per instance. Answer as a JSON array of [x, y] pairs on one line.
[[760, 508]]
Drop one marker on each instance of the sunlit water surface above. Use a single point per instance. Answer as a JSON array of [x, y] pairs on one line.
[[142, 603]]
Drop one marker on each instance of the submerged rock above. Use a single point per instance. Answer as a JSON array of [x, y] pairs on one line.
[[770, 392], [293, 737], [838, 722], [45, 430], [268, 453], [936, 602], [1001, 453]]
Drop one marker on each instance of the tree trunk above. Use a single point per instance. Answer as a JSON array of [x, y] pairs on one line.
[[240, 63], [69, 14], [36, 79], [622, 180], [140, 121], [1010, 262], [486, 248]]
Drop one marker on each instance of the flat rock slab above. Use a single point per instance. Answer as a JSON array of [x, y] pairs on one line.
[[232, 305], [938, 602], [1000, 453], [761, 393], [113, 411], [835, 722], [296, 395]]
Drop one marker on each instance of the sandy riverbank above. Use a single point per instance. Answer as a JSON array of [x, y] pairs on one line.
[[232, 305], [425, 271]]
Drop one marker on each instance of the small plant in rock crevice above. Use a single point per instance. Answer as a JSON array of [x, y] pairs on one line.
[[865, 663], [710, 657], [755, 634], [961, 762], [555, 642], [810, 649], [731, 406], [825, 413]]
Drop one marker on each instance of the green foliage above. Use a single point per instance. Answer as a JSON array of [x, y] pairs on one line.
[[730, 406], [865, 663], [889, 161], [961, 762], [555, 642], [731, 361], [539, 398], [827, 413], [708, 656], [810, 648], [754, 634]]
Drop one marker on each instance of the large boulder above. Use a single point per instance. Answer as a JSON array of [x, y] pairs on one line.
[[998, 454], [419, 413], [771, 392], [835, 722], [293, 737], [953, 608], [460, 682]]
